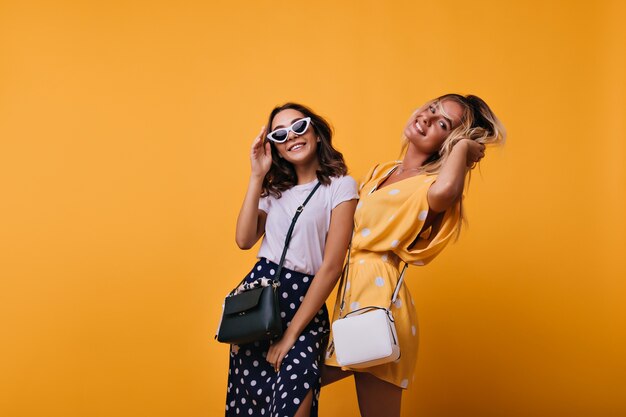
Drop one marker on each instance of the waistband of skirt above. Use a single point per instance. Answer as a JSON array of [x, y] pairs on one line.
[[274, 265]]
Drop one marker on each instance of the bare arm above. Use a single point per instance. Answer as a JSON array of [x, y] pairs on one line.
[[334, 254], [251, 220], [449, 185]]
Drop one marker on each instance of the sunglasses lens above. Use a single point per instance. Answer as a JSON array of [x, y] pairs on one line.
[[279, 135], [300, 126]]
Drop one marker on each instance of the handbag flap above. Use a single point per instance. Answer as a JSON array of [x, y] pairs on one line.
[[243, 301]]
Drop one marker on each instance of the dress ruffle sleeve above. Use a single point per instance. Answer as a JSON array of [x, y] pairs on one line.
[[395, 216]]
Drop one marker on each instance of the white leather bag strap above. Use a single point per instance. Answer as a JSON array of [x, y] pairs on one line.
[[344, 281], [397, 290]]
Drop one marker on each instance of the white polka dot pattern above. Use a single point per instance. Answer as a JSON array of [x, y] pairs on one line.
[[254, 388], [392, 216]]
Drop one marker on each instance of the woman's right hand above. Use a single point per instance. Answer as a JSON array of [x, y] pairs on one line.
[[260, 155]]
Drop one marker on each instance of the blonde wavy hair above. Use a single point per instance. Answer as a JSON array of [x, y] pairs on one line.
[[478, 122]]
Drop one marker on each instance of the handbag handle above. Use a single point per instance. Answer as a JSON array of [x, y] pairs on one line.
[[287, 238], [344, 280]]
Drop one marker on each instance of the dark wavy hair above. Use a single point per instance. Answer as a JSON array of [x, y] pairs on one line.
[[282, 174]]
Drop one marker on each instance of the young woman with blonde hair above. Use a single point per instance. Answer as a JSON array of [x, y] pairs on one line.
[[408, 211]]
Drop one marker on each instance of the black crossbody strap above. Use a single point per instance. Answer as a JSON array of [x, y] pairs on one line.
[[290, 231], [287, 238]]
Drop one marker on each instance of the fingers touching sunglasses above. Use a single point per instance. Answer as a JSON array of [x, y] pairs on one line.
[[299, 127]]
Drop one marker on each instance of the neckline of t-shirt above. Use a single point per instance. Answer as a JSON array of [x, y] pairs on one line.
[[305, 186]]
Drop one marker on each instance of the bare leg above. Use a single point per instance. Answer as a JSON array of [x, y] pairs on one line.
[[377, 397], [332, 374], [305, 406]]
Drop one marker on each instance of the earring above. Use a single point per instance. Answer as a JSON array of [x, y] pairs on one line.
[[318, 139]]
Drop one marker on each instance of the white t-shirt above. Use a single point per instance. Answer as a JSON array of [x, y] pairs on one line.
[[308, 239]]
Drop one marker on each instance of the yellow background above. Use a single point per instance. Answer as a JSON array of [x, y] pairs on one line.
[[124, 137]]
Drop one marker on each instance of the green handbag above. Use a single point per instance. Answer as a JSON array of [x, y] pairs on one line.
[[250, 316], [255, 314]]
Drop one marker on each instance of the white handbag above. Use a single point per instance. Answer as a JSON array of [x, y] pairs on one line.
[[366, 337]]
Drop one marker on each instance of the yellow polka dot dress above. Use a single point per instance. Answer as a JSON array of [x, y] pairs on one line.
[[386, 226]]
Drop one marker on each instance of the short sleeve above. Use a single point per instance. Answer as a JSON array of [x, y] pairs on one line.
[[264, 204], [420, 248], [393, 221], [343, 189]]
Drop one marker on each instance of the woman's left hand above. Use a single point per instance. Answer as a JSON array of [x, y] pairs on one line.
[[279, 349], [475, 151]]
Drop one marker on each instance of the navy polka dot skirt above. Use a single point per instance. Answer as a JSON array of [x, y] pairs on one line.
[[254, 387]]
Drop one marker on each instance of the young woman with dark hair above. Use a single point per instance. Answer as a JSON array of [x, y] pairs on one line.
[[283, 377]]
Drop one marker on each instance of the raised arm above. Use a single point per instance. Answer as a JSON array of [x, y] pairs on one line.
[[251, 220], [449, 185], [337, 242]]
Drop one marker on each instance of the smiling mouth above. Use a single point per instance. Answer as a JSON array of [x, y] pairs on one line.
[[418, 127], [296, 146]]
